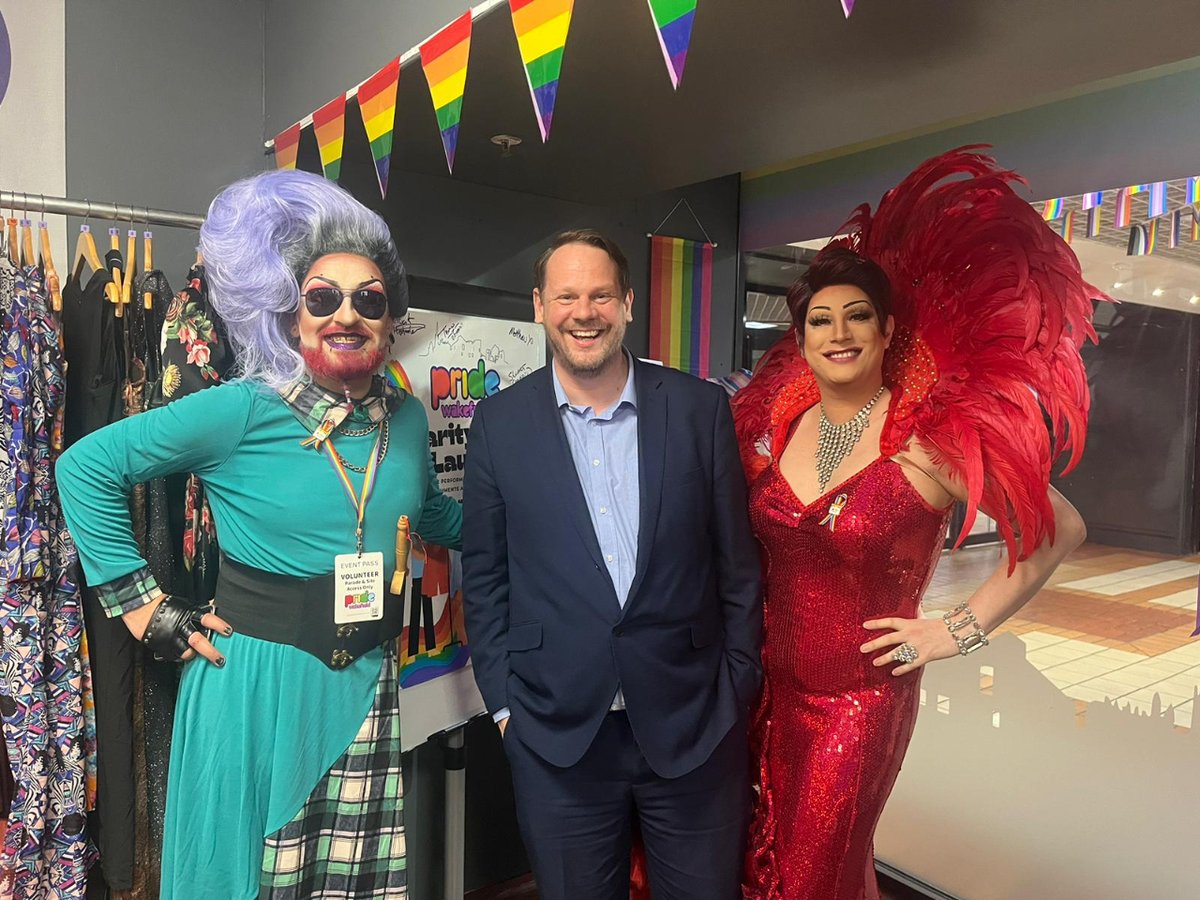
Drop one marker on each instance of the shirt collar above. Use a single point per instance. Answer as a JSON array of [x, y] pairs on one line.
[[628, 394], [320, 410]]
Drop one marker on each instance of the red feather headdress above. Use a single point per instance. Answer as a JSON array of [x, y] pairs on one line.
[[991, 310]]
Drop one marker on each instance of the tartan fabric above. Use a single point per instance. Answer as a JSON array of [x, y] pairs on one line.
[[311, 403], [347, 842], [127, 593]]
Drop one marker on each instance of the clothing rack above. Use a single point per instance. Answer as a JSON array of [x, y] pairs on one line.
[[141, 215]]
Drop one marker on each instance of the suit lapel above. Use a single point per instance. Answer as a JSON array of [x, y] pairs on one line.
[[559, 466], [652, 444]]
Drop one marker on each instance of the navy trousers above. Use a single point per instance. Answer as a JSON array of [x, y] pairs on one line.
[[576, 822]]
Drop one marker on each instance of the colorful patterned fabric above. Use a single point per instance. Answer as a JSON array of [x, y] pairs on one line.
[[347, 841], [46, 849]]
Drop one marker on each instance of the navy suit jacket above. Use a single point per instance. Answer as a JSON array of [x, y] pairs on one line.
[[548, 637]]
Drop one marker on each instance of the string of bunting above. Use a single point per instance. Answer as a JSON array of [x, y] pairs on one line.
[[1164, 228]]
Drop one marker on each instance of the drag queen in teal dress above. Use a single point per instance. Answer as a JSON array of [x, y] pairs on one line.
[[285, 775]]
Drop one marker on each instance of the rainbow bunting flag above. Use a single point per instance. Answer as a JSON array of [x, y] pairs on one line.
[[847, 7], [681, 303], [444, 59], [1195, 235], [1176, 228], [377, 103], [673, 22], [1137, 188], [287, 146], [1092, 200], [1068, 226], [1093, 222], [1151, 230], [1158, 199], [329, 124], [541, 27], [1124, 208], [1052, 210], [1192, 192]]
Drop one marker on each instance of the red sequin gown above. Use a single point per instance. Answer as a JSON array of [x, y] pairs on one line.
[[832, 729]]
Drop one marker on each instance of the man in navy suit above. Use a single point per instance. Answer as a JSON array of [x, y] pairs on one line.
[[611, 589]]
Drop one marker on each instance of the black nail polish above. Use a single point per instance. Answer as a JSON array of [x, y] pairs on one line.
[[228, 631], [220, 662]]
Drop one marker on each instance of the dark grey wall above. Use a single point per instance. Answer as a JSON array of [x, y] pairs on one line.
[[164, 107], [316, 48]]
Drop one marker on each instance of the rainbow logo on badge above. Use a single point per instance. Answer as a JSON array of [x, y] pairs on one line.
[[360, 601]]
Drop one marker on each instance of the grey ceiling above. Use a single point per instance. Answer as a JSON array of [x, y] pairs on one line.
[[769, 81]]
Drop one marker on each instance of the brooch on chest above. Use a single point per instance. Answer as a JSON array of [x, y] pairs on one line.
[[835, 510]]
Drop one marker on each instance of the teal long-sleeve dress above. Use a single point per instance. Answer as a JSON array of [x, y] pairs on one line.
[[253, 739]]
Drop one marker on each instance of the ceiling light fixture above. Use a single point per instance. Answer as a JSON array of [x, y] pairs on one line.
[[763, 325], [506, 142]]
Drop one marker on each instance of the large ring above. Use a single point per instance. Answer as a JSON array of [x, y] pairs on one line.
[[905, 653]]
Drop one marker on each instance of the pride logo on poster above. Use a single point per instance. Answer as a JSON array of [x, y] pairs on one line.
[[463, 385]]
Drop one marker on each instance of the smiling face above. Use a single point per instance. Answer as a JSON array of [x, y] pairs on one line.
[[843, 340], [582, 308], [342, 349]]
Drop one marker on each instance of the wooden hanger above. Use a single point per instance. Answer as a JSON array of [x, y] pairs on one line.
[[52, 281], [147, 265], [13, 247], [115, 264], [85, 247], [130, 267]]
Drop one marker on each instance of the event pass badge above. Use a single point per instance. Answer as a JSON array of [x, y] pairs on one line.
[[357, 587]]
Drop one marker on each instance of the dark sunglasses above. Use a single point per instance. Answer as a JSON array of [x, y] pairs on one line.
[[370, 303]]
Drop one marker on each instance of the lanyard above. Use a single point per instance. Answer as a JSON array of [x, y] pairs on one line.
[[359, 503]]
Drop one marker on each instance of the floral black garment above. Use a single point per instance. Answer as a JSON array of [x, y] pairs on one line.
[[46, 848]]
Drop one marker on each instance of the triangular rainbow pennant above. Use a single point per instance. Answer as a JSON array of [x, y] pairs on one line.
[[444, 59], [377, 103], [541, 27], [287, 146], [329, 124], [673, 21], [847, 7]]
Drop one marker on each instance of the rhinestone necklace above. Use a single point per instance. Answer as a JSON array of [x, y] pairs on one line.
[[834, 442], [383, 448]]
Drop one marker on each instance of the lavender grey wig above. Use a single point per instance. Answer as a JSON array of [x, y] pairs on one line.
[[261, 235]]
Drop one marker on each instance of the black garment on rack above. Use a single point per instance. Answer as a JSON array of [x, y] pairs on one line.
[[90, 336], [93, 340]]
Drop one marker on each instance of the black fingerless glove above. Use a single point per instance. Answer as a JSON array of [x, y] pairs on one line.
[[168, 630]]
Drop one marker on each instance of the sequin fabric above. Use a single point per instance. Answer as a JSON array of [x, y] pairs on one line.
[[831, 729]]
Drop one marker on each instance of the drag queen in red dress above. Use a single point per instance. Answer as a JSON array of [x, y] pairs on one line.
[[934, 358]]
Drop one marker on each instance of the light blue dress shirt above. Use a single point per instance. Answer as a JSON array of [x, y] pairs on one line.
[[604, 447]]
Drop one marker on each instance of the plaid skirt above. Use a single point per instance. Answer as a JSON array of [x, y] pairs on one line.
[[347, 841]]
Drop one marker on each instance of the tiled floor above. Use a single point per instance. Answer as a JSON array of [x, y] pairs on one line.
[[1111, 624]]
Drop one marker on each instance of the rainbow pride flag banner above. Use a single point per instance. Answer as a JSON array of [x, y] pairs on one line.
[[1151, 230], [444, 60], [1093, 200], [681, 303], [377, 103], [329, 124], [1157, 202], [1175, 229], [287, 146], [1191, 194], [1068, 226], [1052, 210], [673, 21], [1195, 236], [1124, 210], [541, 27], [847, 7], [1093, 222]]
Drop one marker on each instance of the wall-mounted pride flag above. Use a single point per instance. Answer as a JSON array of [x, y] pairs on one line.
[[287, 146], [673, 21], [681, 303], [444, 59], [329, 124], [541, 27], [1053, 209], [377, 103]]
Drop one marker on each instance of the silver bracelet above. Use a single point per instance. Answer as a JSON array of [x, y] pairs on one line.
[[959, 618]]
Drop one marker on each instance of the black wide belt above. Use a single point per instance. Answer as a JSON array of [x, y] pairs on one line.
[[284, 609]]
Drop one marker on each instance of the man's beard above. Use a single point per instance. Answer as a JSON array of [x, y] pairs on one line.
[[584, 364], [341, 365]]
